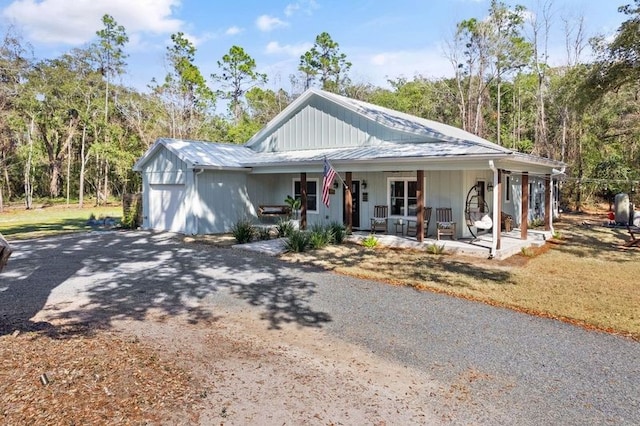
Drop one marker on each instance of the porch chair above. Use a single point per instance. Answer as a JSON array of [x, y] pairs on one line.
[[444, 223], [412, 225], [380, 219], [635, 239]]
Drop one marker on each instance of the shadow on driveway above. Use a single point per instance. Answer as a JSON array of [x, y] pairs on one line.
[[99, 277]]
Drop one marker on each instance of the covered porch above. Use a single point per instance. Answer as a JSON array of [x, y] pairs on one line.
[[511, 243]]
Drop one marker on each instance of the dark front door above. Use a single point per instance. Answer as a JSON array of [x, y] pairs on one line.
[[355, 204]]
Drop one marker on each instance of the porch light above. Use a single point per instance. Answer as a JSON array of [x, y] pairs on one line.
[[335, 185], [489, 186], [364, 184]]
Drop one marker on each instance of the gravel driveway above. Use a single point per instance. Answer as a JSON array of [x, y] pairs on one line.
[[513, 368]]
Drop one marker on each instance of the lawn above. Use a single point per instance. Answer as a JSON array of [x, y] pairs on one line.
[[18, 223], [585, 278]]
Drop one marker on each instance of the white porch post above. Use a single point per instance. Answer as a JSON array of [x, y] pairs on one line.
[[497, 208]]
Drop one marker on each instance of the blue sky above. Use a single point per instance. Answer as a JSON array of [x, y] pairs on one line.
[[382, 38]]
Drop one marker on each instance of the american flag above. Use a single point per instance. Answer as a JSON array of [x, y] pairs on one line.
[[327, 181]]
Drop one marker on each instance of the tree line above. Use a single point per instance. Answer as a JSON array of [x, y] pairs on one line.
[[69, 129]]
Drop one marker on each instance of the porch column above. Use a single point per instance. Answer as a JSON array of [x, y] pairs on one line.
[[548, 211], [524, 207], [498, 199], [303, 201], [348, 202], [420, 211]]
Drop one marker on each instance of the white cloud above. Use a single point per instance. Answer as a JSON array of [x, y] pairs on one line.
[[268, 23], [291, 9], [306, 6], [377, 67], [233, 30], [274, 48], [58, 21]]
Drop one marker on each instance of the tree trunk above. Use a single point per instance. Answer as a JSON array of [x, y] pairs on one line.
[[28, 187], [498, 130], [83, 163], [106, 180], [68, 174]]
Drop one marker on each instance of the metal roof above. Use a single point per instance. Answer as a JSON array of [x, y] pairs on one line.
[[440, 141], [429, 150], [201, 154]]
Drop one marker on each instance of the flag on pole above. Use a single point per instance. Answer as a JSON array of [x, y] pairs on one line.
[[327, 181]]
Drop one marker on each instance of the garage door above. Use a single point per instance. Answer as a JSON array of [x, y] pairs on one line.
[[166, 207]]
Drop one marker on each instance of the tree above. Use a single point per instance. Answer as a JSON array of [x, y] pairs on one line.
[[238, 75], [263, 105], [14, 63], [110, 57], [110, 54], [483, 53], [184, 92], [325, 62]]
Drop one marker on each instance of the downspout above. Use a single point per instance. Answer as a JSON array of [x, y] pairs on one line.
[[496, 212], [196, 213]]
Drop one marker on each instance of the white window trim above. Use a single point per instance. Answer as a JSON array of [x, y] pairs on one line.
[[404, 179], [318, 192], [508, 194]]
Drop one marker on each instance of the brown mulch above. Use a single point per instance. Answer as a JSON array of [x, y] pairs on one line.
[[83, 376]]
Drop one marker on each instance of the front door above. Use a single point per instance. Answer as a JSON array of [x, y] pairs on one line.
[[355, 204]]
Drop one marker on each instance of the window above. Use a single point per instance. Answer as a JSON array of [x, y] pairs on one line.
[[403, 197], [312, 194], [507, 192], [530, 195]]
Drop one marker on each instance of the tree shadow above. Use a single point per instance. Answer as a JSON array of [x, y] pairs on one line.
[[101, 277]]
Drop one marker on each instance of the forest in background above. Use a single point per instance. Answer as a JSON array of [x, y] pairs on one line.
[[69, 130]]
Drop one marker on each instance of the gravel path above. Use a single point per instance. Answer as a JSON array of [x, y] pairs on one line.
[[500, 366]]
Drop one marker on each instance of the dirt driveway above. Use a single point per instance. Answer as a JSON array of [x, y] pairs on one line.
[[277, 343]]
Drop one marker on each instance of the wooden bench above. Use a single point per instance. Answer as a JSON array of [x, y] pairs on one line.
[[274, 211]]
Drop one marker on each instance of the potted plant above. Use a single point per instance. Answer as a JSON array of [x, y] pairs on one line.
[[294, 204]]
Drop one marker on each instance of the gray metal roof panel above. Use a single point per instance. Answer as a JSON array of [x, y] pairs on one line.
[[381, 151]]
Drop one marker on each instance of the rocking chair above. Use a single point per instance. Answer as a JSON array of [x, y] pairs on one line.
[[380, 219], [444, 223]]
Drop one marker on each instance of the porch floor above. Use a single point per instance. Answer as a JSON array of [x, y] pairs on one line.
[[510, 242]]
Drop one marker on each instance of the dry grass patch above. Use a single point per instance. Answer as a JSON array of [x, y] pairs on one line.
[[585, 278], [81, 376]]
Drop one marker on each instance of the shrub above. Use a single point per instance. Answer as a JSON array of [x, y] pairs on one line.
[[320, 236], [297, 241], [370, 241], [527, 252], [284, 228], [435, 249], [262, 233], [536, 223], [242, 231], [338, 231]]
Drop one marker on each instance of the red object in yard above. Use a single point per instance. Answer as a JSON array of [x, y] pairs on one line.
[[611, 216]]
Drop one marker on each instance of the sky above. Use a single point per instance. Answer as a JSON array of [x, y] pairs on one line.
[[384, 39]]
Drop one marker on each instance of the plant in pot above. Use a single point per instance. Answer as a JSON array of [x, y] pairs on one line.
[[294, 204]]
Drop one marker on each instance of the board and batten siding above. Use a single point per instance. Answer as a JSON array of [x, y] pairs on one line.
[[220, 201], [321, 124], [164, 191]]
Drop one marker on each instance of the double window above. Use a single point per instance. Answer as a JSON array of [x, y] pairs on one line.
[[312, 194], [403, 197]]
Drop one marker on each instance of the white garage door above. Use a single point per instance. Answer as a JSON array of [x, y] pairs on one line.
[[166, 211]]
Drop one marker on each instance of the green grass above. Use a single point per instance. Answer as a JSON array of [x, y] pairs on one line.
[[20, 224]]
